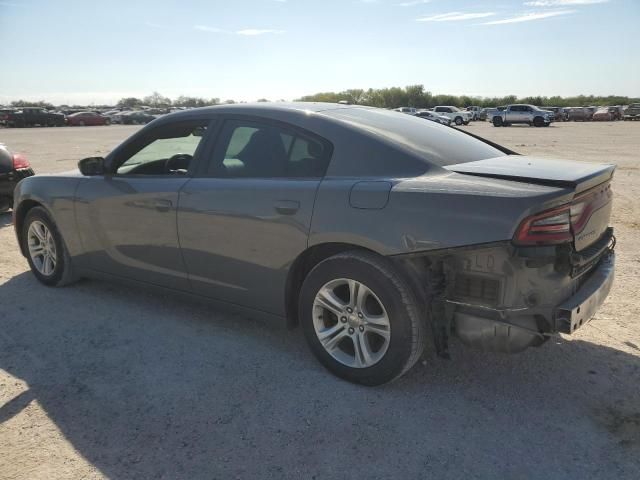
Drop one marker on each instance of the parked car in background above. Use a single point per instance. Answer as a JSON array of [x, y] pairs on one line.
[[117, 116], [156, 111], [33, 116], [136, 118], [559, 113], [490, 112], [632, 112], [603, 114], [475, 112], [433, 116], [579, 114], [13, 168], [482, 115], [522, 114], [4, 115], [81, 119], [110, 113], [617, 112], [410, 110], [592, 110], [456, 115]]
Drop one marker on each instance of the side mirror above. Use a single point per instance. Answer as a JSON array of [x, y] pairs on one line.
[[91, 166]]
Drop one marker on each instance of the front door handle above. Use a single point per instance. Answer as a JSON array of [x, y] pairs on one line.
[[162, 205], [287, 207]]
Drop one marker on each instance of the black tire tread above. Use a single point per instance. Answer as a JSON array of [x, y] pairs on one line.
[[408, 299]]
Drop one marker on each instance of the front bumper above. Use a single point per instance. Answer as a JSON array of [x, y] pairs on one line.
[[514, 330]]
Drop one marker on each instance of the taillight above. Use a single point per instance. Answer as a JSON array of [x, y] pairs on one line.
[[560, 224], [19, 161], [547, 228]]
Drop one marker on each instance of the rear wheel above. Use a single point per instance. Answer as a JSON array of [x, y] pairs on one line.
[[46, 252], [360, 318]]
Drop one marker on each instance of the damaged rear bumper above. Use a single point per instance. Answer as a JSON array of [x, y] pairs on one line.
[[581, 307], [513, 330]]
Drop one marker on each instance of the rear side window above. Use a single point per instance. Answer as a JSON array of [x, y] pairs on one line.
[[432, 143], [256, 150]]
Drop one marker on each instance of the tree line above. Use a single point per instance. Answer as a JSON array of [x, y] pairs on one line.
[[416, 96], [393, 97]]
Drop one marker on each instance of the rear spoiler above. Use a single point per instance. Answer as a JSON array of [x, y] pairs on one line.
[[488, 142]]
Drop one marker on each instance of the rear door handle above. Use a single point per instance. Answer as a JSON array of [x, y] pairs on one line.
[[287, 207]]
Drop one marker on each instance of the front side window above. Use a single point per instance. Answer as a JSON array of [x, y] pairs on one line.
[[256, 150], [167, 150]]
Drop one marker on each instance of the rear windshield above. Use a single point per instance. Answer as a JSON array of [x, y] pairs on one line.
[[434, 143]]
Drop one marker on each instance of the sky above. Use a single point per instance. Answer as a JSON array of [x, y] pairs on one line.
[[78, 51]]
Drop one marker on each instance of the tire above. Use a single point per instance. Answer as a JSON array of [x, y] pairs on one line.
[[385, 293], [458, 121], [62, 272], [497, 122], [538, 122]]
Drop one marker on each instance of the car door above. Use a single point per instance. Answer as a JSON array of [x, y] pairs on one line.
[[127, 218], [522, 114], [246, 217]]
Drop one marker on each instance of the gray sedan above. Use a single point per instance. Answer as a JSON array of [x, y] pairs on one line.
[[376, 232]]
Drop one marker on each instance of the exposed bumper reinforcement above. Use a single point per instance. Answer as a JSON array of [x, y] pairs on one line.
[[581, 307]]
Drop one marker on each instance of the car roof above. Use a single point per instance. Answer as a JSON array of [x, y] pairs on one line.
[[271, 106]]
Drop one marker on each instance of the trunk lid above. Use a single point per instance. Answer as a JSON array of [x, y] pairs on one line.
[[591, 207], [580, 176]]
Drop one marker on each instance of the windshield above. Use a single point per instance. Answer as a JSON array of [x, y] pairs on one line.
[[430, 141]]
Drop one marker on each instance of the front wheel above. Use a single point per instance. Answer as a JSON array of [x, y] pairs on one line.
[[459, 121], [497, 122], [360, 318], [538, 122], [46, 252]]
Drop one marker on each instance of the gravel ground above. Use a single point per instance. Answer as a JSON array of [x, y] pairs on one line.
[[105, 381]]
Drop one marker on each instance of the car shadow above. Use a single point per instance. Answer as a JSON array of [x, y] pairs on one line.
[[145, 385], [6, 219]]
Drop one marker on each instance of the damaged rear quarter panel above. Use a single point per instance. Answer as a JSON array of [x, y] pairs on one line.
[[430, 212]]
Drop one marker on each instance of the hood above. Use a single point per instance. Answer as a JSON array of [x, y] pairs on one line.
[[562, 173]]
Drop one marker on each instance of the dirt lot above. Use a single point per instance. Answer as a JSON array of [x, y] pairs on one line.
[[99, 380]]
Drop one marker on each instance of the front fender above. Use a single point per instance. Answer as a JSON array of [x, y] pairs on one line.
[[56, 194]]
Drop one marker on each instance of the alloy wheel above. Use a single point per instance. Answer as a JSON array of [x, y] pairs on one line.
[[351, 323], [42, 248]]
